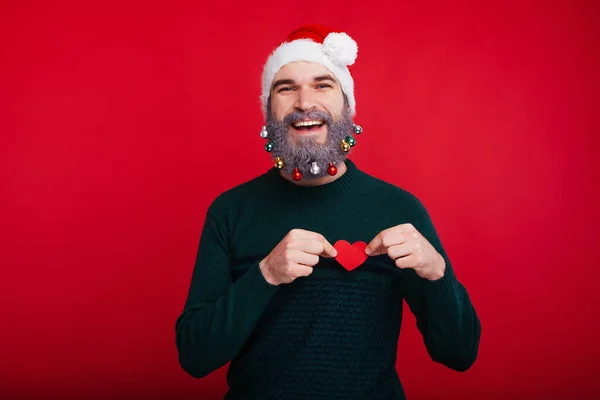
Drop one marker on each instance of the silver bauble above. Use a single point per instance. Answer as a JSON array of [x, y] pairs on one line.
[[263, 132], [314, 168]]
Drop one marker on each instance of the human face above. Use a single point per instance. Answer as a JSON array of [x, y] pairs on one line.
[[306, 86]]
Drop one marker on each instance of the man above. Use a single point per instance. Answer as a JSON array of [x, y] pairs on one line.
[[297, 317]]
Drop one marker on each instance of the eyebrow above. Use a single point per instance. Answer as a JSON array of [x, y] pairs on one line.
[[321, 78], [282, 82], [325, 78]]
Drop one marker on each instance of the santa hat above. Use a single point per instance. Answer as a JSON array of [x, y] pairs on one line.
[[319, 44]]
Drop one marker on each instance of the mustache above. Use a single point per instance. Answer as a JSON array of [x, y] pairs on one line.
[[300, 115]]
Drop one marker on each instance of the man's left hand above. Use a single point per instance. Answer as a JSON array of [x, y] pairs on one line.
[[409, 249]]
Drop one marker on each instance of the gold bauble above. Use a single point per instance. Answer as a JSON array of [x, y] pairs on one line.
[[279, 163], [345, 146]]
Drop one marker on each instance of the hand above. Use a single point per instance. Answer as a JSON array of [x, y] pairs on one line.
[[409, 249], [295, 256]]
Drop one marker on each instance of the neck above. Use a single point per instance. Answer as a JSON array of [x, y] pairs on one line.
[[341, 169]]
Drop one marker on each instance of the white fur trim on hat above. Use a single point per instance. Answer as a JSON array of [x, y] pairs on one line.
[[336, 53]]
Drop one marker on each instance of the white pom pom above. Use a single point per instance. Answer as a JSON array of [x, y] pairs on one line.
[[341, 48]]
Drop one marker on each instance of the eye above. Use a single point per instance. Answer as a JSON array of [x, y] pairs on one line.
[[284, 89], [323, 86]]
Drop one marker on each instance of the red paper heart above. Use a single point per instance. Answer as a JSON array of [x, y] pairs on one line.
[[350, 256]]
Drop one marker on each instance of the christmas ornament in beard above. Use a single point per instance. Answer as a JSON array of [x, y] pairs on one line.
[[307, 151]]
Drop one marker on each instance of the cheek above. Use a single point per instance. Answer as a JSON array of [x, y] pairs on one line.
[[280, 109], [336, 111], [335, 106]]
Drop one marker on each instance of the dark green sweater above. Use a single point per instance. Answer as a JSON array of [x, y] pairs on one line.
[[333, 334]]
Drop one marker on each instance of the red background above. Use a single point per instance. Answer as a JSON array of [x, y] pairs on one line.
[[121, 121]]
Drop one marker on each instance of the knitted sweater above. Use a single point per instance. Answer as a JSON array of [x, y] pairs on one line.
[[330, 335]]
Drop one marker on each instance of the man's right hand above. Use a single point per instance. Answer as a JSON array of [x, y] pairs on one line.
[[295, 256]]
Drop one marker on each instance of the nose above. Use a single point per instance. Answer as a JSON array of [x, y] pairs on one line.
[[305, 100]]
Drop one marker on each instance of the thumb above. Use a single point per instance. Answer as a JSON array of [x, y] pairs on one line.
[[375, 247]]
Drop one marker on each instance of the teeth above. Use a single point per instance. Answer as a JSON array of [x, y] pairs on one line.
[[307, 123]]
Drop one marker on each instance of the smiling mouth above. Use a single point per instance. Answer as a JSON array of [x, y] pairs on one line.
[[308, 125]]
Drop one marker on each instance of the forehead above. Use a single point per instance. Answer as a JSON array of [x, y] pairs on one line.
[[301, 71]]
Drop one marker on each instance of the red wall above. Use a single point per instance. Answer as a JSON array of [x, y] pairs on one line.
[[120, 122]]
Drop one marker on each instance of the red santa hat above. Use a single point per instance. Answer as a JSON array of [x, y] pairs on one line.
[[314, 43]]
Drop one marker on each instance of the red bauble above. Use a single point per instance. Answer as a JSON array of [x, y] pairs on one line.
[[297, 175], [332, 170]]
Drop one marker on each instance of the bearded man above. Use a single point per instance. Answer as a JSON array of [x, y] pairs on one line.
[[301, 272]]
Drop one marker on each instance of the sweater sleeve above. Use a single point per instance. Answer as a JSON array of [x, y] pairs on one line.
[[219, 314], [445, 315]]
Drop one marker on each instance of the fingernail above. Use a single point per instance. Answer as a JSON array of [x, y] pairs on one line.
[[367, 250]]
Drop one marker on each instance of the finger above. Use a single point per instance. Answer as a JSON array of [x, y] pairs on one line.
[[375, 246], [328, 250], [384, 240], [304, 258], [312, 246], [302, 270], [400, 250], [408, 261], [303, 234], [389, 237], [298, 233]]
